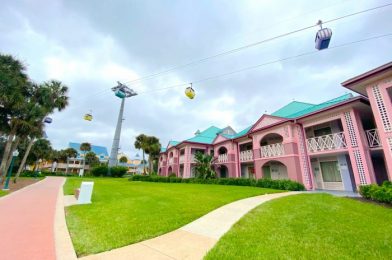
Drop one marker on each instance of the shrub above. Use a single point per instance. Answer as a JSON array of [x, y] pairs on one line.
[[264, 183], [99, 171], [374, 192], [118, 171], [172, 174]]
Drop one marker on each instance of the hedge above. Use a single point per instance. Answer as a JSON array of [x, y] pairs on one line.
[[263, 183], [377, 193], [116, 171], [44, 173]]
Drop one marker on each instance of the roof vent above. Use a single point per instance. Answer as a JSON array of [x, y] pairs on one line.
[[197, 132]]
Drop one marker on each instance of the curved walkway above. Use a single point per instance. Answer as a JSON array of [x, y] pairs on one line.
[[193, 240], [27, 218]]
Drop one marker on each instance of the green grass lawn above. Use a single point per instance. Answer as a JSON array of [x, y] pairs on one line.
[[2, 193], [125, 212], [309, 226]]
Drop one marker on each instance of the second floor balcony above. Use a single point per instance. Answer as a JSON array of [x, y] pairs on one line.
[[373, 138], [272, 150], [329, 142], [222, 158], [246, 156], [171, 160]]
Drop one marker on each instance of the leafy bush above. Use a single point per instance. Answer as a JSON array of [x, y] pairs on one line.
[[374, 192], [118, 171], [172, 174], [99, 171], [264, 183]]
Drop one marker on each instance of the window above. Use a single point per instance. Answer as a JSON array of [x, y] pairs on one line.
[[322, 131], [330, 171]]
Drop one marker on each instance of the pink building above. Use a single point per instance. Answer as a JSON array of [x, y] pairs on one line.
[[335, 145]]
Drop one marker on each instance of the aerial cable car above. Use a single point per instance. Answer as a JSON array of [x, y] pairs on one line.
[[119, 93], [189, 92], [323, 37], [88, 116], [48, 120]]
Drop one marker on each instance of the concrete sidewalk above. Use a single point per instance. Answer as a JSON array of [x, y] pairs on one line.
[[27, 218], [193, 240]]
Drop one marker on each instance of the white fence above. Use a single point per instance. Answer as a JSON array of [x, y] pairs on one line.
[[272, 150], [246, 155], [326, 142], [223, 158], [373, 138]]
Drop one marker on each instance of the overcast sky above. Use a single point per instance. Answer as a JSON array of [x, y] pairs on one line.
[[89, 45]]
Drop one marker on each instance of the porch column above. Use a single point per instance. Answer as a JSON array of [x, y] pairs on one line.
[[357, 148], [381, 104]]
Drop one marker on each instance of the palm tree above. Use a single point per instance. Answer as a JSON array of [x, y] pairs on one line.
[[123, 159], [141, 142], [153, 149], [204, 166], [85, 147], [91, 159]]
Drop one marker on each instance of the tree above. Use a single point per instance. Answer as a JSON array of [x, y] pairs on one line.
[[123, 159], [204, 166], [85, 147], [91, 159], [153, 149], [141, 142], [23, 107], [41, 149]]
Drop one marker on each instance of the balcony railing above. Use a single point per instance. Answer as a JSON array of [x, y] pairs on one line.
[[272, 150], [326, 142], [223, 158], [373, 138], [171, 160], [246, 156], [182, 158]]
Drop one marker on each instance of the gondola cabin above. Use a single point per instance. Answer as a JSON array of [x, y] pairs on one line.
[[48, 120], [88, 117], [189, 92], [120, 94], [323, 37]]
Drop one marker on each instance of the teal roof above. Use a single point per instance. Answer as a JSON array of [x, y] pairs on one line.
[[207, 136], [293, 110], [100, 151], [173, 143], [163, 149]]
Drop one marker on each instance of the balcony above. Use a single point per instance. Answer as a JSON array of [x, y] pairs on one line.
[[222, 158], [326, 142], [182, 158], [272, 150], [246, 156], [373, 138], [171, 160]]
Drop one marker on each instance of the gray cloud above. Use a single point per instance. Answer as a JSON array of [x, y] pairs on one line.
[[90, 44]]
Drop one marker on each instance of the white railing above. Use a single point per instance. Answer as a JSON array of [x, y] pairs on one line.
[[171, 160], [182, 158], [193, 159], [326, 142], [223, 158], [373, 138], [246, 155], [272, 150]]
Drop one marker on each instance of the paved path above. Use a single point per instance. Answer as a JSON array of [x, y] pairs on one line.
[[27, 218], [193, 240]]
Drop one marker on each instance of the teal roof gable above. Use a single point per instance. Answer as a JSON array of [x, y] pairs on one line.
[[207, 136]]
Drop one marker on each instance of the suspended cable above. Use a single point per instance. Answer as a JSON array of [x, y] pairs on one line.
[[253, 44], [267, 63]]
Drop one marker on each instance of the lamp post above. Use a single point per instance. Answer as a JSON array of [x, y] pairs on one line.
[[14, 155]]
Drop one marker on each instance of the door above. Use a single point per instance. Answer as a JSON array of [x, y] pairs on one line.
[[266, 172], [332, 178]]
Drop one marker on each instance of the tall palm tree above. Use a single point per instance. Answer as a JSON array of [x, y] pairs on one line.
[[141, 142], [153, 149], [85, 147]]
